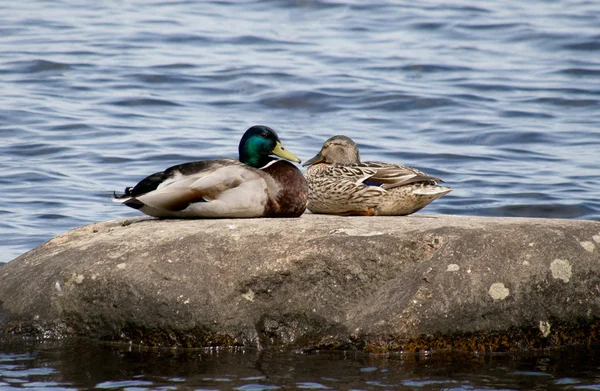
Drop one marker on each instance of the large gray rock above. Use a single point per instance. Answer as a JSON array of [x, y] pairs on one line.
[[422, 282]]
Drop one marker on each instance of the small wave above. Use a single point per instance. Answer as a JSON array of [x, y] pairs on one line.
[[77, 126], [487, 86], [520, 153], [144, 102], [51, 216], [83, 53], [51, 23], [580, 72], [429, 26], [490, 26], [130, 384], [153, 78], [170, 38], [258, 40], [565, 102], [112, 159], [424, 68], [175, 65], [554, 210], [442, 157], [306, 5], [165, 159], [312, 101], [412, 103], [36, 66], [473, 98], [588, 46], [36, 150], [524, 114], [466, 9]]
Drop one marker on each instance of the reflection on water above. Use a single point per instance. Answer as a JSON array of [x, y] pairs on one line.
[[73, 365], [500, 99]]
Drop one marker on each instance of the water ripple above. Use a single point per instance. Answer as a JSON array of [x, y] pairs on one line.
[[35, 66], [580, 72], [143, 102]]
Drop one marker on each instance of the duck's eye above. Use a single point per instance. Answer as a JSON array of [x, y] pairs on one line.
[[263, 135]]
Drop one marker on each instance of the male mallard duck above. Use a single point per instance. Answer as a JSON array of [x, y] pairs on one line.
[[256, 185], [340, 184]]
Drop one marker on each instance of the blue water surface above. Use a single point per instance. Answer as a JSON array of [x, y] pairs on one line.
[[500, 99]]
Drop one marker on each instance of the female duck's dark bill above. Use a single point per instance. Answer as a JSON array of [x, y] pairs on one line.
[[283, 153], [317, 159]]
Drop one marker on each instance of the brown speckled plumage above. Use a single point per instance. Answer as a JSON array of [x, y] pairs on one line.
[[340, 184]]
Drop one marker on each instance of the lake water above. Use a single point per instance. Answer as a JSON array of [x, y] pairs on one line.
[[80, 365], [500, 99]]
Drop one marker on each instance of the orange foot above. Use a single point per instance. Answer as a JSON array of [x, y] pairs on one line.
[[368, 212]]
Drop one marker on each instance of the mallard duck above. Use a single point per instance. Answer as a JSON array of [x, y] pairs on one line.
[[256, 185], [339, 183]]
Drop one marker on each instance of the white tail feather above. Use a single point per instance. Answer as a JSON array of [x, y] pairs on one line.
[[433, 190]]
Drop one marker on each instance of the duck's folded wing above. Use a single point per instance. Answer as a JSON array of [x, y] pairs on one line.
[[224, 179], [185, 187], [353, 193], [393, 175], [353, 173]]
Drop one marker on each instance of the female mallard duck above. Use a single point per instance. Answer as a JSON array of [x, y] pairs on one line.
[[340, 184], [256, 185]]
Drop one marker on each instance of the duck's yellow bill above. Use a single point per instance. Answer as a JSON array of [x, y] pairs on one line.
[[283, 153]]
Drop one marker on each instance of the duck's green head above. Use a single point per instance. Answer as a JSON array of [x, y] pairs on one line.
[[259, 144]]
